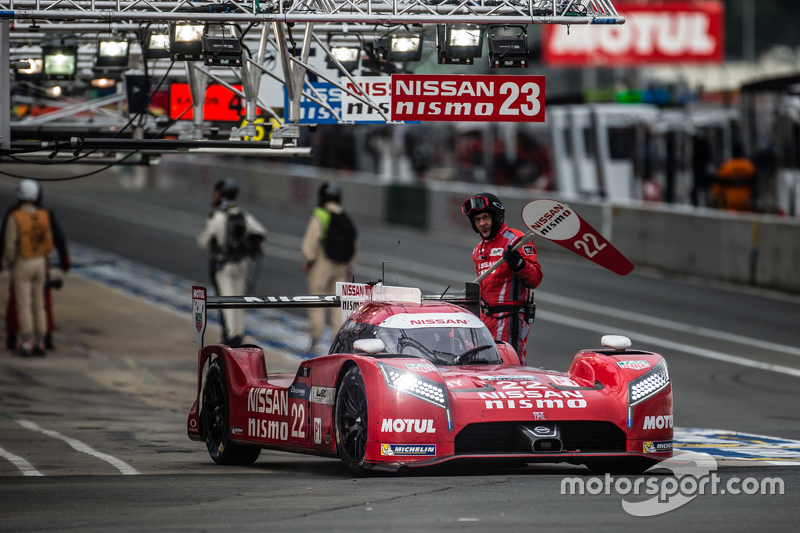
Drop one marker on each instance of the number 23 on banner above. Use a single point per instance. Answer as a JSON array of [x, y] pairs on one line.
[[455, 97]]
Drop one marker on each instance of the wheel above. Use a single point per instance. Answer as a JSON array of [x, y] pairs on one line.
[[214, 420], [351, 420]]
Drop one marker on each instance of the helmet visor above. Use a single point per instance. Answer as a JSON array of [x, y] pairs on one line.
[[476, 203]]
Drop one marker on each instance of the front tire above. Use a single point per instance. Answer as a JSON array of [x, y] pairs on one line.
[[352, 420], [215, 421]]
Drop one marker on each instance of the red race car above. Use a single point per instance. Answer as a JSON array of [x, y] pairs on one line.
[[410, 382]]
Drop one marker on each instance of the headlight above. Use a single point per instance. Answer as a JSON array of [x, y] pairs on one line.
[[417, 386], [646, 386]]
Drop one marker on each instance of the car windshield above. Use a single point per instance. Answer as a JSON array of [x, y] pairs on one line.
[[438, 344]]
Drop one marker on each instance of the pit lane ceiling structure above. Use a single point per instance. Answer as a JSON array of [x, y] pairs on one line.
[[34, 19]]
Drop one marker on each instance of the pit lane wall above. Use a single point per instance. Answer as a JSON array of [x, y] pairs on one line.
[[760, 250]]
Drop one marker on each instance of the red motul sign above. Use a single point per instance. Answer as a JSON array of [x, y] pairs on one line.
[[559, 223], [453, 97], [653, 33]]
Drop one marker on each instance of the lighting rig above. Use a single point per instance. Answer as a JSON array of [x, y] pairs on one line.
[[208, 37], [507, 50]]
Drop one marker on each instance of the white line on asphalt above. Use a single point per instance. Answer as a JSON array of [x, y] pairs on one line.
[[664, 323], [82, 447], [24, 466], [672, 345]]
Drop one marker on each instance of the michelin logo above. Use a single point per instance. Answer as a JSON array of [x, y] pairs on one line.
[[657, 446], [408, 450]]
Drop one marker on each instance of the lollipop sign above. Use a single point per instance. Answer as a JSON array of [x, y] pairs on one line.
[[558, 222]]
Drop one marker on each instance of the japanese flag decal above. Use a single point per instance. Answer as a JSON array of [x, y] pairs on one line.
[[558, 222], [199, 314]]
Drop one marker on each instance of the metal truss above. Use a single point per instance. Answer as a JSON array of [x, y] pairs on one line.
[[339, 11], [278, 23]]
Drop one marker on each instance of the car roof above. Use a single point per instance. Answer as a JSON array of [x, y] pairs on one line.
[[376, 312]]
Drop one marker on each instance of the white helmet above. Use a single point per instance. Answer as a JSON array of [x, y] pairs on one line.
[[28, 191]]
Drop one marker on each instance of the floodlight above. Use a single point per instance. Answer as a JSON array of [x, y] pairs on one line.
[[348, 56], [103, 83], [60, 61], [53, 92], [112, 53], [221, 45], [508, 50], [186, 41], [459, 43], [405, 48], [35, 70], [156, 45]]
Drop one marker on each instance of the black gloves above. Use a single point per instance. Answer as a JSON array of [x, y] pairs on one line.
[[514, 260]]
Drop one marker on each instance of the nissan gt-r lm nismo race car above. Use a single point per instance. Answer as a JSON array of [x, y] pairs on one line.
[[410, 382]]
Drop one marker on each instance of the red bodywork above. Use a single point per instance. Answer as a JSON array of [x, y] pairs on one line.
[[487, 405]]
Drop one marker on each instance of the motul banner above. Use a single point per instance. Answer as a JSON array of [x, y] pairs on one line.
[[653, 33], [454, 97]]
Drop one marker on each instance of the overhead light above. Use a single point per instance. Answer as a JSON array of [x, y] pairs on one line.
[[53, 92], [459, 44], [405, 48], [156, 45], [112, 53], [185, 41], [34, 71], [508, 50], [103, 83], [60, 61], [348, 56], [221, 45]]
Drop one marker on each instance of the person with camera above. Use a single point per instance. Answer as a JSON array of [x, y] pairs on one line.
[[234, 239]]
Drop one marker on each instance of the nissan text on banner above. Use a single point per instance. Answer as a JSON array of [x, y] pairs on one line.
[[473, 98], [653, 33]]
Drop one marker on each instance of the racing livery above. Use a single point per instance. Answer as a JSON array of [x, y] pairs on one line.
[[410, 382]]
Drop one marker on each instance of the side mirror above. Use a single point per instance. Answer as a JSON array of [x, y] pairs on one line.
[[370, 345]]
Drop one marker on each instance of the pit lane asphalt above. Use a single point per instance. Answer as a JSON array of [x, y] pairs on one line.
[[314, 493]]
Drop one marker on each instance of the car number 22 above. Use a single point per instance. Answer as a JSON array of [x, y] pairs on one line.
[[298, 421]]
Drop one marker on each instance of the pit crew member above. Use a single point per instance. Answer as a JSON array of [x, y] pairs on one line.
[[506, 291]]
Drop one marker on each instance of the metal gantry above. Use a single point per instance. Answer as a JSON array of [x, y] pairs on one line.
[[275, 25]]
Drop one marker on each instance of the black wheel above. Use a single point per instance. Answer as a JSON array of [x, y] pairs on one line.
[[214, 421], [351, 420]]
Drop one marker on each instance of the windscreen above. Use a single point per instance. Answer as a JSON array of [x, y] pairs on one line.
[[439, 343]]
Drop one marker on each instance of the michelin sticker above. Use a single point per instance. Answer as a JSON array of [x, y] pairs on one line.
[[407, 450]]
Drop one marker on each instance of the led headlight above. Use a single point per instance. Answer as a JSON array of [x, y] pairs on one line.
[[648, 384], [414, 385]]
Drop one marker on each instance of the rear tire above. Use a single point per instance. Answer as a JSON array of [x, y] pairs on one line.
[[215, 421], [352, 420]]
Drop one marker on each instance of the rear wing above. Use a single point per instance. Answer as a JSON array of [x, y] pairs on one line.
[[348, 297]]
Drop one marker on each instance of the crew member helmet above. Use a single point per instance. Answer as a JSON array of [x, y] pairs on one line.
[[485, 202], [329, 191], [28, 191], [227, 188]]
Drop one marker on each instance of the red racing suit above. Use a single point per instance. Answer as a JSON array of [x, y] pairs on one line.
[[504, 292]]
